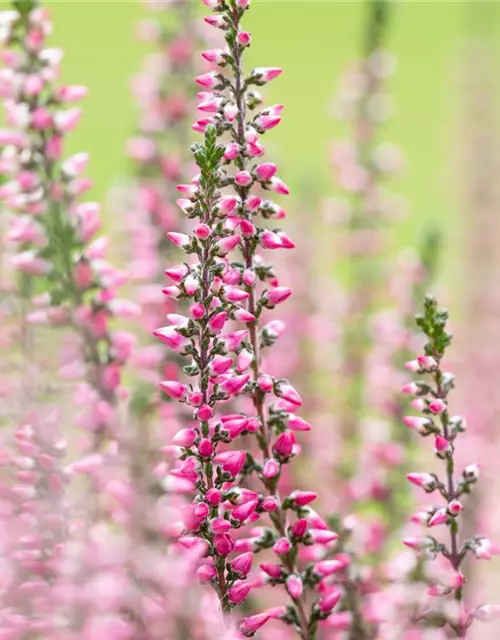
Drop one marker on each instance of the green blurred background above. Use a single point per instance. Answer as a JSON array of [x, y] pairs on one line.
[[314, 41]]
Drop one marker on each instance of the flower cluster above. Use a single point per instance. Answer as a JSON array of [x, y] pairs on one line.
[[220, 288], [53, 230], [431, 398]]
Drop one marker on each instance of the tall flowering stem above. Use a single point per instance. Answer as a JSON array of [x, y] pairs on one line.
[[220, 288], [52, 229], [432, 392], [360, 171]]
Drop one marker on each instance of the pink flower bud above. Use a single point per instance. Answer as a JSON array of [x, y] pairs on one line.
[[329, 601], [265, 383], [245, 359], [179, 239], [270, 240], [208, 80], [220, 525], [205, 448], [244, 511], [264, 123], [329, 567], [303, 498], [294, 586], [247, 228], [437, 406], [442, 445], [427, 362], [185, 437], [265, 171], [234, 385], [440, 517], [201, 511], [270, 504], [411, 389], [217, 322], [216, 21], [278, 295], [271, 468], [296, 423], [282, 546], [424, 480], [232, 151], [223, 544], [234, 464], [278, 186], [195, 398], [421, 425], [242, 564], [202, 231], [220, 364], [227, 204], [244, 316], [213, 497], [455, 507], [244, 38], [243, 178], [239, 592], [299, 528], [288, 393], [265, 74], [274, 571], [322, 536], [214, 55], [197, 311], [227, 244], [204, 413], [174, 389], [284, 444], [206, 573], [249, 626], [171, 338]]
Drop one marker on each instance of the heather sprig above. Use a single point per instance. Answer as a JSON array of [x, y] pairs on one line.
[[53, 230], [220, 288], [432, 390]]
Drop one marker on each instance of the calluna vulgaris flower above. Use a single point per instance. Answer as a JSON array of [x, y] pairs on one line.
[[224, 202], [54, 231], [432, 392]]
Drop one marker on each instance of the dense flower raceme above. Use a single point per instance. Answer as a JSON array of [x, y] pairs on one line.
[[222, 505], [431, 398], [53, 230], [220, 289]]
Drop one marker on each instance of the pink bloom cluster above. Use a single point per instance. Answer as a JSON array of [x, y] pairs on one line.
[[53, 231], [431, 393], [221, 287]]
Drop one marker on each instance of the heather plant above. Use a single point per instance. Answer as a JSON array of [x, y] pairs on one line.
[[53, 230], [220, 288], [431, 390]]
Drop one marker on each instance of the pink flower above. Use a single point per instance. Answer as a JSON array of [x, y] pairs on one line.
[[249, 626], [278, 295], [171, 337], [174, 389], [294, 586]]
